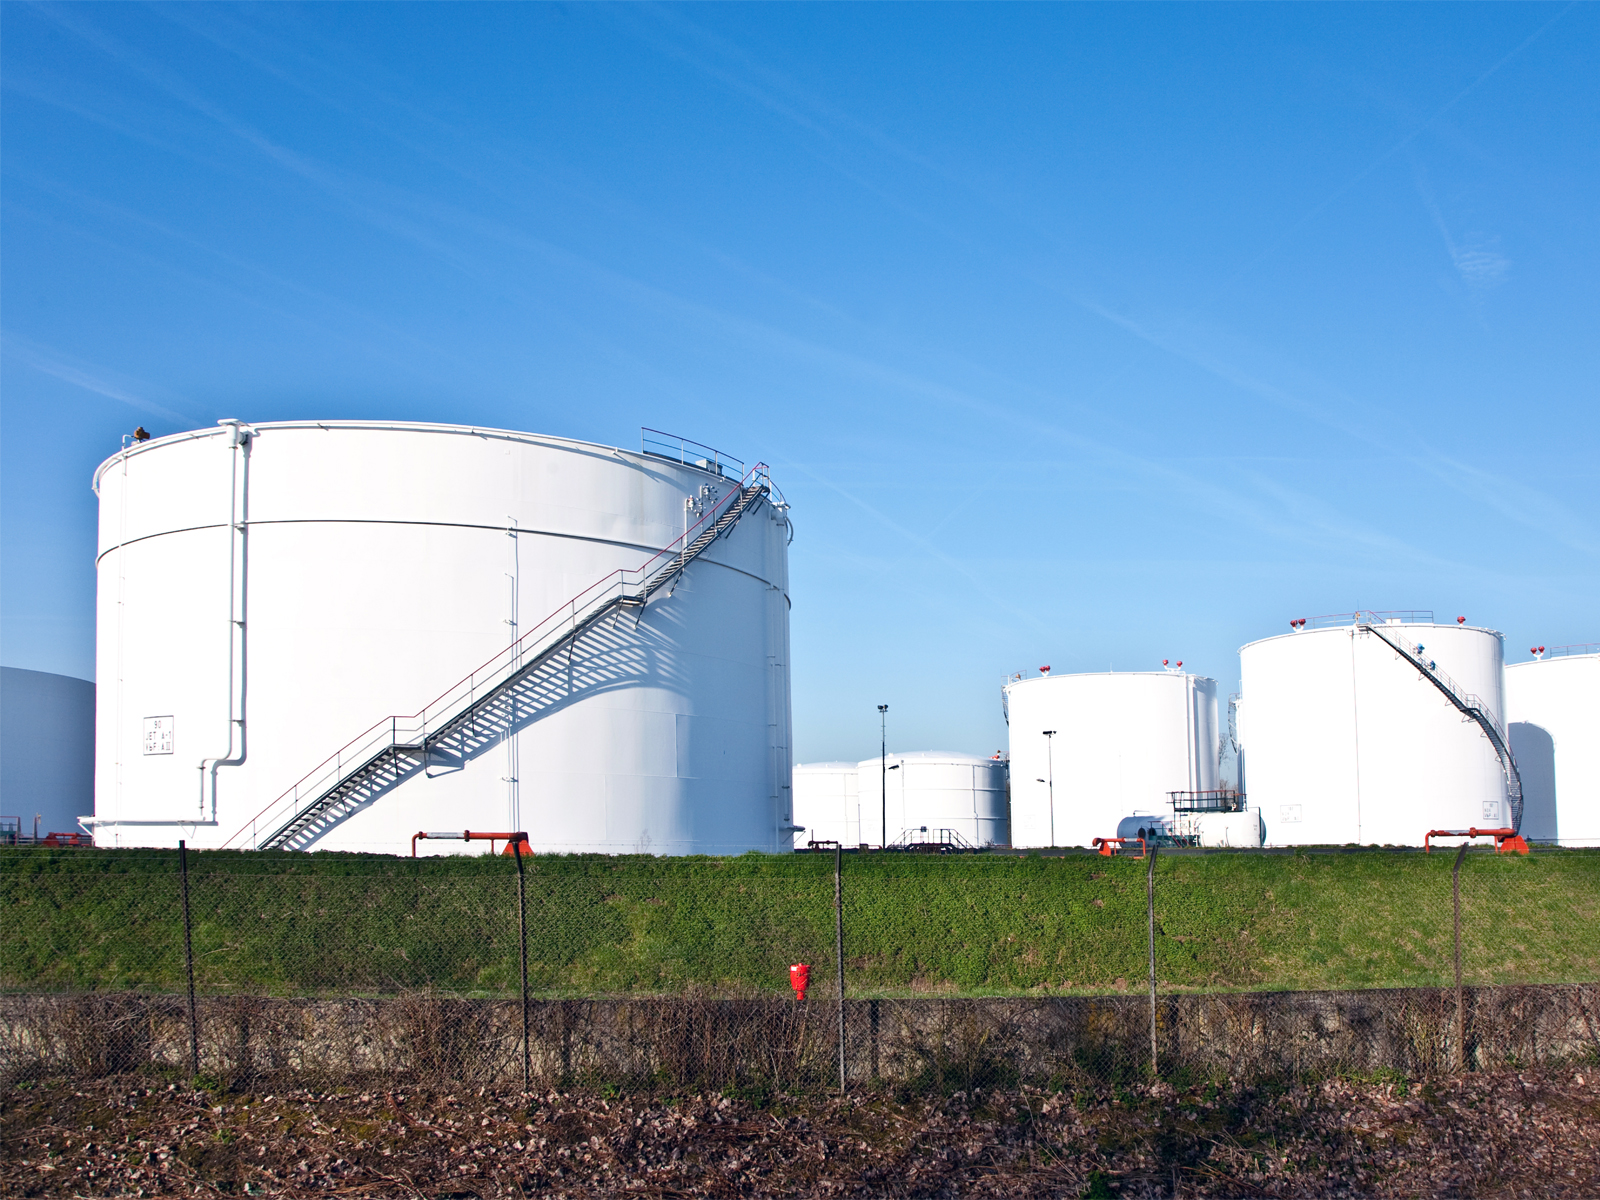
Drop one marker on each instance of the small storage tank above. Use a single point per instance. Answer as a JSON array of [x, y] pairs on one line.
[[279, 603], [826, 804], [1121, 742], [911, 797], [1553, 710], [1345, 739], [46, 752]]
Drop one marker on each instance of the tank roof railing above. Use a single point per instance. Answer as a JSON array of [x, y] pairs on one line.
[[658, 443], [1575, 648], [1365, 616]]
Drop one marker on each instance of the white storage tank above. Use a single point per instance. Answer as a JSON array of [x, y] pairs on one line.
[[1553, 711], [827, 806], [297, 607], [46, 752], [1346, 739], [912, 797], [1121, 742]]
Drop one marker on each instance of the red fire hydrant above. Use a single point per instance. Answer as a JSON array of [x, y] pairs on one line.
[[799, 977]]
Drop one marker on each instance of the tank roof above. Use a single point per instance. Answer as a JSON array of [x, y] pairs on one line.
[[487, 431]]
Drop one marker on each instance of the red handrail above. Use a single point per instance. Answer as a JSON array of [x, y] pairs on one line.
[[1105, 845]]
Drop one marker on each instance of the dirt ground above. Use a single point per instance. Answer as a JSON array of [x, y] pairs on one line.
[[1501, 1134]]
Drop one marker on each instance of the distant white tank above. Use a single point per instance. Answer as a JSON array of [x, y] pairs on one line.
[[1088, 750], [827, 806], [1553, 710], [1347, 738], [913, 797], [291, 607]]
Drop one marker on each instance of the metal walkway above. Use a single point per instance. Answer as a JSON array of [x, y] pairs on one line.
[[397, 746], [1470, 706]]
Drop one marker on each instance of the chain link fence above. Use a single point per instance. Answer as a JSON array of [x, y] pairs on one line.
[[926, 973]]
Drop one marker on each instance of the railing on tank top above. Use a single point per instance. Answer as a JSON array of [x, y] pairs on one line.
[[411, 734], [1400, 616], [1577, 649], [658, 443]]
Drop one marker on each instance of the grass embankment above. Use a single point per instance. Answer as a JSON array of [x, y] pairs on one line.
[[333, 924]]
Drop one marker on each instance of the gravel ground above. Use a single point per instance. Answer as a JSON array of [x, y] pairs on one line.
[[1494, 1134]]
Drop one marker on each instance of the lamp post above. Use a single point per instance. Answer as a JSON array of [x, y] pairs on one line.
[[1050, 759], [883, 750]]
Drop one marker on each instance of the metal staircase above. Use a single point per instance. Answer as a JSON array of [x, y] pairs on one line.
[[397, 746], [1469, 705]]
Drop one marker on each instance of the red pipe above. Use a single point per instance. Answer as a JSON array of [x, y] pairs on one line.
[[1506, 841], [520, 840]]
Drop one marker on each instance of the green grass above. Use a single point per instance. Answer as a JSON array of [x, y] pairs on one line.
[[335, 924]]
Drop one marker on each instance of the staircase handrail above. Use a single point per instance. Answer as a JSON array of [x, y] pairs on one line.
[[1469, 705], [441, 712]]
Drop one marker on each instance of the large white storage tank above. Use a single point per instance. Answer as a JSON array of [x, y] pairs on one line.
[[1553, 711], [911, 797], [1121, 742], [268, 594], [827, 805], [1345, 740]]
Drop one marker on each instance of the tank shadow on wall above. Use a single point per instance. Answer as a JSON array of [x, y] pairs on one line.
[[615, 654], [1535, 752]]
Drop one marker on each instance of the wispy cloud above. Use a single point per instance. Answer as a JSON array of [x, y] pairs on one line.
[[99, 380]]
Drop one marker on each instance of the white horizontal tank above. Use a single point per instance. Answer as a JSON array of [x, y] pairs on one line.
[[270, 596], [1122, 741], [911, 797], [1553, 710], [827, 806], [1345, 739]]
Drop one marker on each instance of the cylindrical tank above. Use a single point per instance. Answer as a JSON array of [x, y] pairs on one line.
[[46, 751], [911, 797], [1345, 741], [1553, 710], [826, 805], [268, 593], [1088, 750]]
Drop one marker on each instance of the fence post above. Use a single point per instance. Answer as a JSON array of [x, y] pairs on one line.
[[838, 946], [188, 961], [1150, 905], [522, 940], [1461, 1021]]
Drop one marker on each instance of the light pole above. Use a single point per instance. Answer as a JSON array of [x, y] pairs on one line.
[[883, 750], [1050, 759]]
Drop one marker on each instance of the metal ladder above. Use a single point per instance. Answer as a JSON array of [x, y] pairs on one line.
[[391, 749], [1469, 706]]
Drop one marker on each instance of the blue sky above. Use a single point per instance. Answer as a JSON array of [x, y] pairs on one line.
[[1076, 335]]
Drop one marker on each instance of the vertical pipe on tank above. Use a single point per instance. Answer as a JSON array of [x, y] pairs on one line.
[[513, 757], [1355, 731], [122, 584], [238, 581]]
